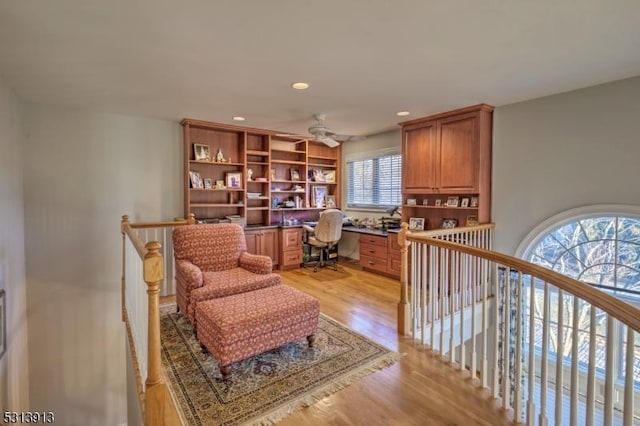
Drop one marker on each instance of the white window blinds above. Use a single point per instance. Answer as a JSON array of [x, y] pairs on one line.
[[374, 182]]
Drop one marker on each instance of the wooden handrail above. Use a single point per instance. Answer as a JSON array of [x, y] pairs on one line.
[[453, 231], [615, 307], [178, 222]]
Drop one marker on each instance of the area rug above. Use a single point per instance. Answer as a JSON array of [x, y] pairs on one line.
[[268, 387]]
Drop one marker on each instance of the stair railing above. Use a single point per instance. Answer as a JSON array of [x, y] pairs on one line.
[[550, 349]]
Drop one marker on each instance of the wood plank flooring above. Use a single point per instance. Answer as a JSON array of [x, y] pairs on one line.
[[418, 390]]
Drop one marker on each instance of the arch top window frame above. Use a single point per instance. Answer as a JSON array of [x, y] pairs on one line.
[[548, 229]]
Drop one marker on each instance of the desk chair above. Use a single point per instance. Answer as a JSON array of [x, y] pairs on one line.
[[325, 236]]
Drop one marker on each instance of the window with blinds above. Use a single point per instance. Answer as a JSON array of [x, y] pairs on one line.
[[375, 182]]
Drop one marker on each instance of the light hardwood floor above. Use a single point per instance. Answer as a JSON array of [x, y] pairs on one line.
[[418, 390]]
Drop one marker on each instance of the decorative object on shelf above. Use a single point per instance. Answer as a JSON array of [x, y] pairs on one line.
[[471, 221], [196, 180], [449, 223], [297, 188], [331, 201], [411, 201], [453, 201], [219, 156], [273, 174], [425, 202], [464, 202], [295, 174], [317, 175], [201, 152], [438, 202], [234, 180], [473, 202], [329, 176], [416, 224], [318, 195], [249, 175], [275, 202], [208, 183], [220, 184]]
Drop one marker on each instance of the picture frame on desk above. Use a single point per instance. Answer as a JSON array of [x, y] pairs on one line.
[[471, 221], [196, 180], [416, 224], [201, 152], [449, 223], [318, 196], [464, 202], [330, 201], [412, 202], [438, 202], [208, 183], [295, 174], [219, 184], [234, 180], [453, 201], [330, 176], [473, 202]]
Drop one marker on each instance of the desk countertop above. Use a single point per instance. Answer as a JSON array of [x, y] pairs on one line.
[[369, 231]]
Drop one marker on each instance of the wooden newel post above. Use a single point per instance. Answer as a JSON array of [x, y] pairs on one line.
[[153, 275], [191, 220], [124, 223], [404, 313]]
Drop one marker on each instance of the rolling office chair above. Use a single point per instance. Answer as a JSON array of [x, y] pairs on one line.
[[325, 236]]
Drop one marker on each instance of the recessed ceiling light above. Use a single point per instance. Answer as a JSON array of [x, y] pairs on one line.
[[402, 113], [300, 85], [238, 118]]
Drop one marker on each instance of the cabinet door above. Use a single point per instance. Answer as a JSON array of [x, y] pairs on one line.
[[269, 244], [252, 241], [457, 169], [419, 159]]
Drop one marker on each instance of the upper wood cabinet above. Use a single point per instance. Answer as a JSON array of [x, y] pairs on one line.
[[444, 155]]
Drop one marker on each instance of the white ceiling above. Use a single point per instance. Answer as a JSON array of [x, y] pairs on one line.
[[365, 59]]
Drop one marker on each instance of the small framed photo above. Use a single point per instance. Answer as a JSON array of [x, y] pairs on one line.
[[220, 184], [438, 202], [208, 183], [201, 152], [411, 201], [453, 201], [318, 196], [196, 180], [331, 201], [416, 224], [449, 223], [295, 174], [317, 175], [464, 202], [473, 202], [234, 180], [471, 221], [425, 202], [329, 176]]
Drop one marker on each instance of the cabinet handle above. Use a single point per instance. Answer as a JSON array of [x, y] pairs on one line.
[[372, 263], [372, 251]]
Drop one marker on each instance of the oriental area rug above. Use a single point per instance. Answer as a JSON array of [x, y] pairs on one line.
[[268, 387]]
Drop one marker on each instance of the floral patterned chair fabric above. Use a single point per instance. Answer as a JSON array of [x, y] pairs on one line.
[[211, 261]]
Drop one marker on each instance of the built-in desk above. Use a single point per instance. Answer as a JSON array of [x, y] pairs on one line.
[[379, 250]]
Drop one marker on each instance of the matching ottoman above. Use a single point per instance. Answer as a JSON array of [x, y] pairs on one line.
[[237, 327]]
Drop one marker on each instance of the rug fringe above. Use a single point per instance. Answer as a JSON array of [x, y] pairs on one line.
[[308, 400]]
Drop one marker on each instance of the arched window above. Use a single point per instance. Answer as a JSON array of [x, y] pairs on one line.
[[598, 245]]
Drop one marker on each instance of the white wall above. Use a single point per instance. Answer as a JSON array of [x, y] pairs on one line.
[[82, 172], [349, 244], [564, 151], [14, 391]]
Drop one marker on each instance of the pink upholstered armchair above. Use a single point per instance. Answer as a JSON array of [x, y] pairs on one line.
[[212, 261]]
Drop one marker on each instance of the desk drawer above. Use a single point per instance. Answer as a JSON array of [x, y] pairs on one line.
[[372, 239], [373, 263], [290, 258], [373, 251], [394, 266]]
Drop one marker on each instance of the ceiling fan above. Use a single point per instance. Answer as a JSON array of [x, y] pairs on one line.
[[321, 133]]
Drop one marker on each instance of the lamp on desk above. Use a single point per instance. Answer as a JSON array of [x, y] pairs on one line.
[[393, 210]]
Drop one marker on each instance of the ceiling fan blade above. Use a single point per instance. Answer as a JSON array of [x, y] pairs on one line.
[[330, 142], [348, 138], [291, 135]]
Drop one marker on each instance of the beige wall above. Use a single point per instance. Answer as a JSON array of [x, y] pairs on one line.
[[14, 391], [564, 151], [82, 172]]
